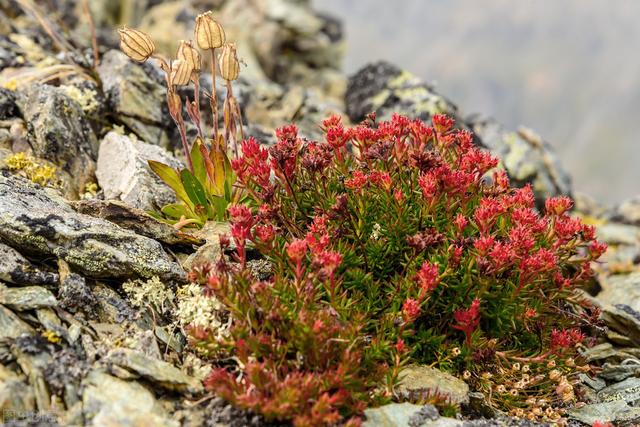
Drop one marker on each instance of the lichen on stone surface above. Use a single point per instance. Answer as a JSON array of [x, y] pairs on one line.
[[152, 291], [194, 309], [37, 171]]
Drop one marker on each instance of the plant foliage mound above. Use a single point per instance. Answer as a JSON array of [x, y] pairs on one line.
[[393, 243]]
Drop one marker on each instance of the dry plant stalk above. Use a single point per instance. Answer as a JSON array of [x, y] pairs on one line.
[[185, 69]]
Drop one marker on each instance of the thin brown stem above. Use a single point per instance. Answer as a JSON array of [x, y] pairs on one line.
[[214, 97], [196, 100], [94, 38]]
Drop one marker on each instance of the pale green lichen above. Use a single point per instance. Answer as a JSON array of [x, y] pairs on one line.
[[33, 169], [150, 292], [86, 98], [196, 309]]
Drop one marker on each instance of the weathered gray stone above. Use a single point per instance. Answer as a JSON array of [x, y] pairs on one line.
[[124, 174], [15, 394], [135, 96], [162, 373], [627, 390], [60, 132], [418, 380], [41, 223], [27, 297], [624, 319], [617, 373], [614, 411], [407, 415], [629, 211], [621, 289], [110, 401], [614, 233], [16, 269], [11, 326], [133, 219]]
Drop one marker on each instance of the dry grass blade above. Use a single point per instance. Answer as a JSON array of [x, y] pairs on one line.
[[35, 12], [23, 77]]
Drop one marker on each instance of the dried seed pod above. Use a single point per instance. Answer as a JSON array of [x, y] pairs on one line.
[[180, 72], [208, 32], [229, 64], [136, 44], [190, 54]]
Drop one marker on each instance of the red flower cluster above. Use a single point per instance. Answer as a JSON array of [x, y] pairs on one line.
[[388, 241]]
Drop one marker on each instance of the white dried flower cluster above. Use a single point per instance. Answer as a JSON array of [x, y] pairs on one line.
[[198, 310], [142, 293]]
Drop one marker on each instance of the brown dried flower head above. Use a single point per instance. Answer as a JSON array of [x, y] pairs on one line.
[[136, 44], [180, 72], [208, 32], [229, 64], [188, 53]]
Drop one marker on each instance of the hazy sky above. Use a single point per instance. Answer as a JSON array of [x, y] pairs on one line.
[[570, 69]]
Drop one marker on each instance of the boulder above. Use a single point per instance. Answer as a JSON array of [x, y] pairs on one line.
[[37, 222], [124, 174]]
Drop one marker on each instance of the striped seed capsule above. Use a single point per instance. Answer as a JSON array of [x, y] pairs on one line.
[[208, 32], [136, 44], [180, 72], [189, 54], [229, 64]]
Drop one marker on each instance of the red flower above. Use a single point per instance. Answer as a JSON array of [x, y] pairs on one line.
[[601, 424], [442, 122], [410, 310], [565, 338], [265, 233], [357, 182], [297, 250], [468, 320], [429, 185], [557, 205], [596, 249], [400, 346], [461, 223], [428, 276]]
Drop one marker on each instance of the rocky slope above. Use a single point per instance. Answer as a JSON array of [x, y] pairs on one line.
[[93, 292]]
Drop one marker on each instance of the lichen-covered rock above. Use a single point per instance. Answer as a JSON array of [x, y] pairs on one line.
[[16, 269], [124, 174], [621, 289], [133, 219], [59, 132], [27, 297], [37, 222], [11, 326], [386, 89], [135, 96], [419, 381], [162, 373], [110, 401]]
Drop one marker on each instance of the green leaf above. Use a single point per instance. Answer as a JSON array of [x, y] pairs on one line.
[[196, 193], [219, 170], [175, 210], [198, 162], [220, 205], [171, 178]]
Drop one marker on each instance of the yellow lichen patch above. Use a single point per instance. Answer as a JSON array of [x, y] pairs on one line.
[[51, 336], [85, 97], [33, 169]]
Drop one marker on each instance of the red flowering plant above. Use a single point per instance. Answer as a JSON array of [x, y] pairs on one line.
[[397, 242]]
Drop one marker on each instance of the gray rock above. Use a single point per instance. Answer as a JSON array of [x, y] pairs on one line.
[[614, 411], [41, 223], [613, 233], [135, 96], [627, 391], [16, 269], [386, 89], [11, 326], [133, 219], [123, 172], [617, 373], [624, 319], [59, 132], [27, 298], [8, 107], [418, 380], [628, 211], [110, 401], [162, 373], [620, 289], [407, 415], [15, 394], [74, 293]]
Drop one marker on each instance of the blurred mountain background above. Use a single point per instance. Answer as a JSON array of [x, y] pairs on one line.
[[570, 69]]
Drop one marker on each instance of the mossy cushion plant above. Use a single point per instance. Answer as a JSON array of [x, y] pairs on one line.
[[395, 242]]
